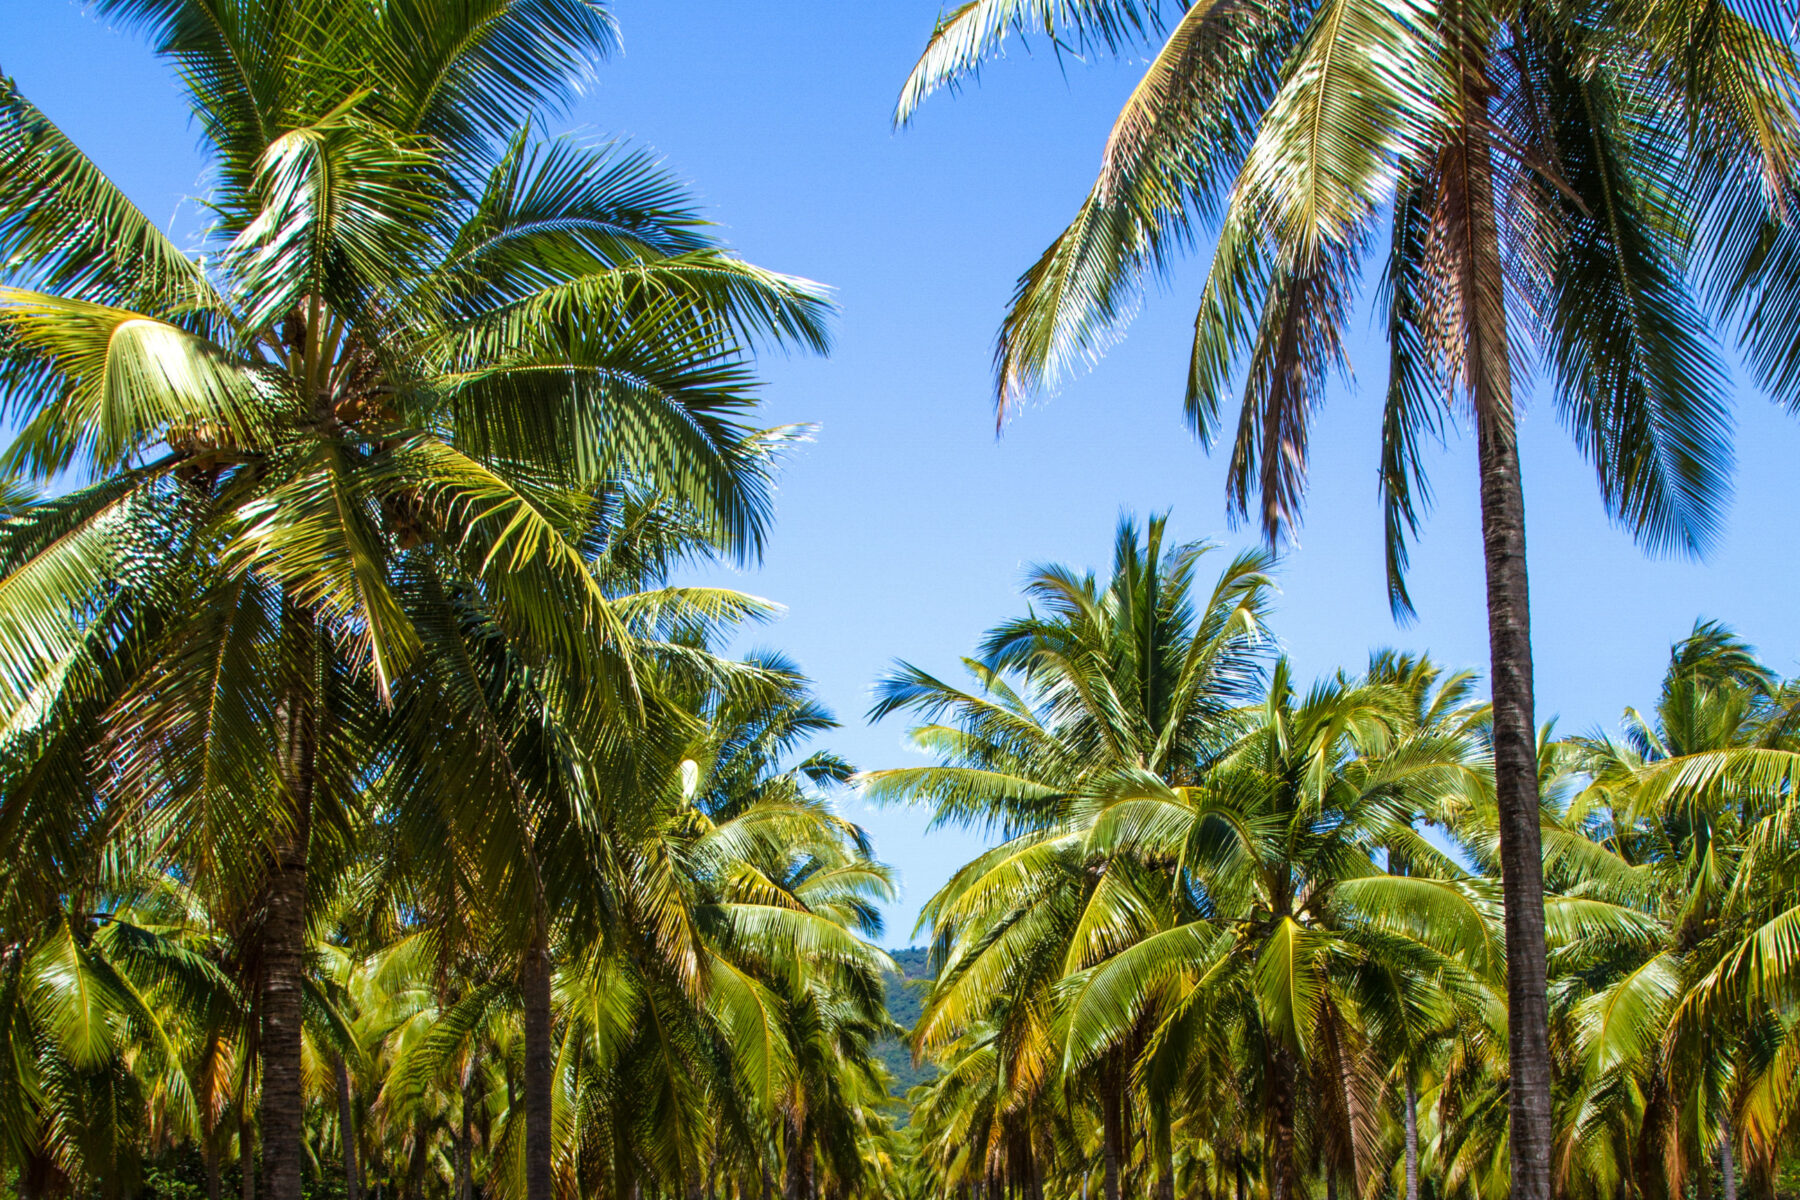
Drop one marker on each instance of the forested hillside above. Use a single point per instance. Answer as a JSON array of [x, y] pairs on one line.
[[904, 992]]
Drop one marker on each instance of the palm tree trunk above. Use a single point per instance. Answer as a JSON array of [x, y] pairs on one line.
[[246, 1151], [1412, 1139], [1112, 1121], [347, 1129], [1165, 1183], [1469, 183], [1727, 1160], [284, 962], [1516, 785], [465, 1135], [535, 978], [215, 1182], [1283, 1173], [793, 1183]]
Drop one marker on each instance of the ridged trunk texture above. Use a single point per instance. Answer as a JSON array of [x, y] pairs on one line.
[[284, 963], [539, 1066], [1470, 215], [1516, 787]]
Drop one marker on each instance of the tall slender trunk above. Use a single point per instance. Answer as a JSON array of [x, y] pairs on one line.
[[347, 1129], [793, 1183], [1469, 187], [284, 960], [1165, 1145], [1412, 1137], [1728, 1161], [1112, 1121], [1284, 1167], [535, 979], [246, 1151], [463, 1165], [465, 1135], [1516, 786], [212, 1130]]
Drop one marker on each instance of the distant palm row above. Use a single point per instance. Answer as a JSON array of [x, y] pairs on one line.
[[1241, 938]]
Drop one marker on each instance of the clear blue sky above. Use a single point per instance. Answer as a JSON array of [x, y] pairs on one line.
[[905, 527]]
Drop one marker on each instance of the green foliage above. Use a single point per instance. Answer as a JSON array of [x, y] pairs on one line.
[[1184, 946], [906, 989]]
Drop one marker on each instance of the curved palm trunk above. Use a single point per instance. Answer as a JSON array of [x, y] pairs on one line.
[[1470, 213], [284, 964], [539, 1066]]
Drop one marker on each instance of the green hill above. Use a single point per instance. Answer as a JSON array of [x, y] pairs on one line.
[[905, 991]]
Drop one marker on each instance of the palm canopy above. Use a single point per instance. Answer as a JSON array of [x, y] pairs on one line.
[[416, 321], [1308, 902], [1641, 159], [1128, 678], [364, 455], [1131, 675]]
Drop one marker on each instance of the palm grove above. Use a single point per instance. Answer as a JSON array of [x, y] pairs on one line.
[[382, 818]]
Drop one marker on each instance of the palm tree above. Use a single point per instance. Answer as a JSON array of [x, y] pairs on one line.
[[1679, 855], [1562, 173], [1130, 678], [423, 345], [1292, 927]]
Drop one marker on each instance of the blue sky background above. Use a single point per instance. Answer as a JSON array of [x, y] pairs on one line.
[[904, 528]]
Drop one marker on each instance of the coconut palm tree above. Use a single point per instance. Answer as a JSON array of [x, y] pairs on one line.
[[1657, 1109], [1292, 927], [1135, 677], [1561, 175], [424, 342]]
